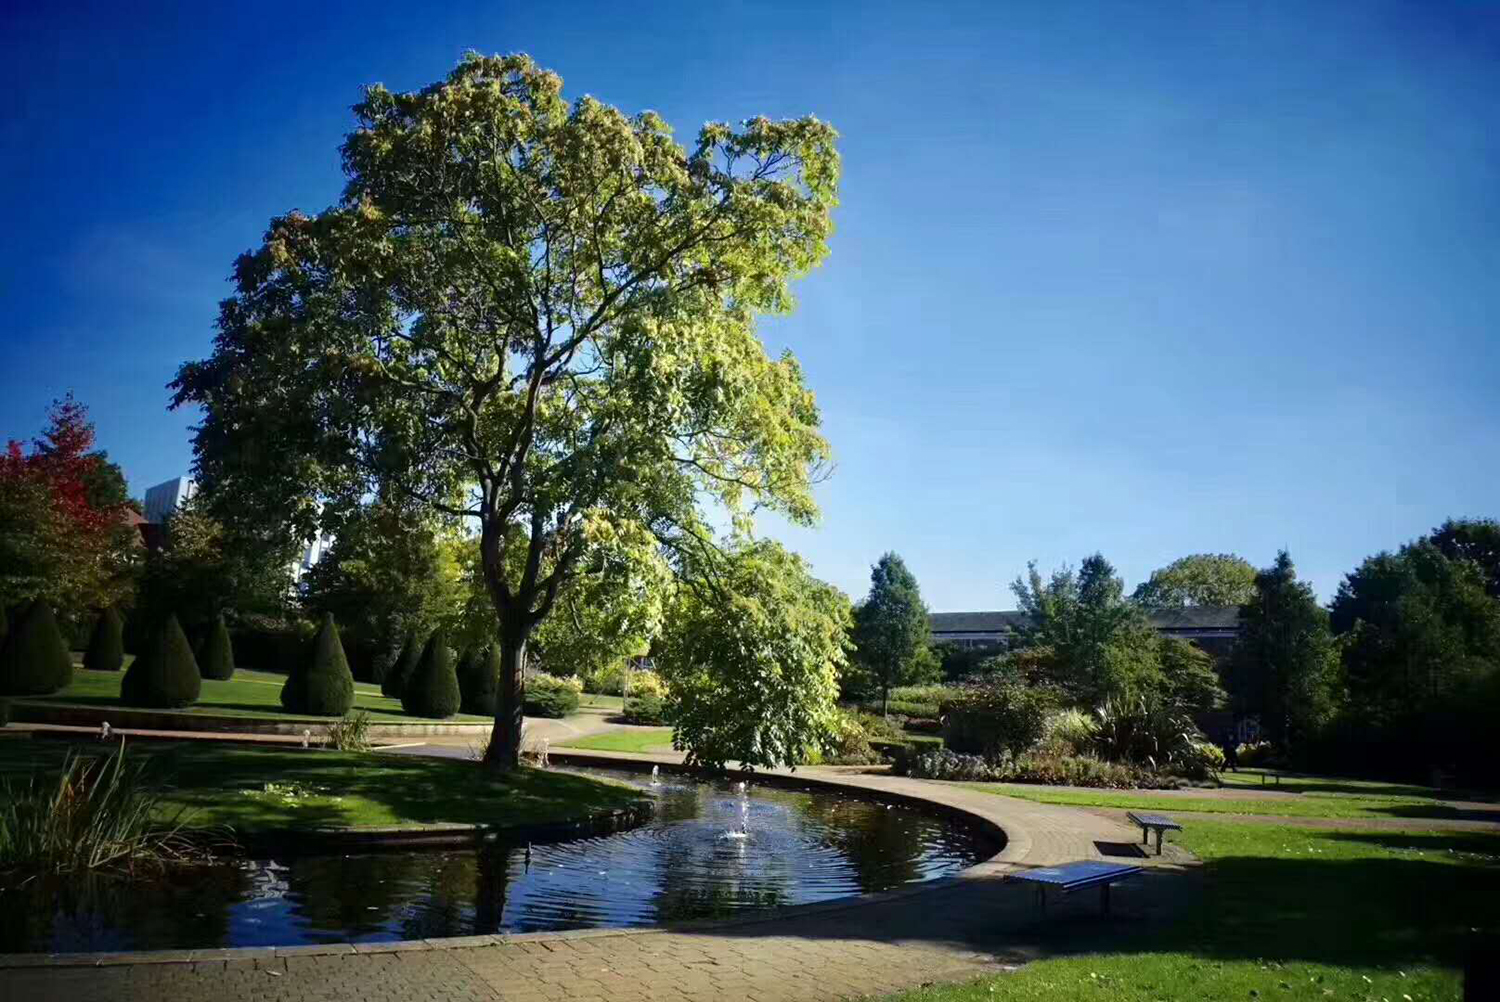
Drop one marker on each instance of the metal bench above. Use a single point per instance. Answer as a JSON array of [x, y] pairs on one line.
[[1075, 876], [1153, 822]]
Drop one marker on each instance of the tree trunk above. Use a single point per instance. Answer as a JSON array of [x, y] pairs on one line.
[[504, 751]]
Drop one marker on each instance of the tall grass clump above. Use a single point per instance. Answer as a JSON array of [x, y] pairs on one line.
[[94, 814]]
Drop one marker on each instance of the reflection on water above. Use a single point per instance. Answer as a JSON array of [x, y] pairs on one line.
[[795, 848]]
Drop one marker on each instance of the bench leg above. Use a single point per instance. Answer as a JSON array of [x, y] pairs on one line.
[[1104, 897], [1145, 835], [1041, 900], [1158, 841]]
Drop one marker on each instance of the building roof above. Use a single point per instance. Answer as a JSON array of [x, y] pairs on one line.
[[976, 622], [1213, 617]]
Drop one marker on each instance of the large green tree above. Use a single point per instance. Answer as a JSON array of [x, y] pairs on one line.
[[1285, 666], [891, 629], [1419, 630], [536, 315], [211, 562], [1476, 540], [1198, 580], [390, 572], [1100, 644], [751, 654]]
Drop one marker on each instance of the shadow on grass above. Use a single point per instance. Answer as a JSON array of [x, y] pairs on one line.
[[226, 784], [1379, 911]]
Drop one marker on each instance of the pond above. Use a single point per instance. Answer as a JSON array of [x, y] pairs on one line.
[[710, 851]]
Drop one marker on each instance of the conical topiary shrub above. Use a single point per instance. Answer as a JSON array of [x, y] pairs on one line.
[[34, 661], [218, 652], [432, 690], [164, 675], [107, 646], [322, 685], [477, 675], [402, 669]]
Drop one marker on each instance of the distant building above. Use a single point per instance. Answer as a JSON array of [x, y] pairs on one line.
[[165, 498], [1214, 628]]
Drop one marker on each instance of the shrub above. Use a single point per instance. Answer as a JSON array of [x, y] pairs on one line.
[[1069, 732], [164, 675], [849, 744], [1144, 732], [479, 680], [4, 712], [932, 695], [548, 696], [1202, 760], [106, 650], [876, 726], [393, 684], [218, 652], [903, 708], [608, 680], [1032, 767], [644, 682], [1005, 717], [268, 643], [646, 708], [1256, 754], [432, 690], [320, 683], [34, 661], [351, 733]]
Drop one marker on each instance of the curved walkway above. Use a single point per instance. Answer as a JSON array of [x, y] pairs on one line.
[[946, 930]]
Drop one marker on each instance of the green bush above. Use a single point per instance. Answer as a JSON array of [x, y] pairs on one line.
[[479, 680], [932, 695], [849, 744], [164, 675], [432, 690], [402, 669], [218, 652], [1032, 767], [34, 661], [608, 680], [548, 697], [1144, 732], [106, 651], [1070, 732], [646, 708], [1003, 717], [903, 708], [320, 683]]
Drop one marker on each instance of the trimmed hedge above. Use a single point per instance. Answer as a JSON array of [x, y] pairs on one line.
[[647, 708], [548, 697], [33, 659], [478, 680], [321, 685], [432, 690], [218, 652], [393, 684], [165, 675], [107, 646]]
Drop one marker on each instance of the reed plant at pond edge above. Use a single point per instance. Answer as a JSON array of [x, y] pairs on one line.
[[94, 814]]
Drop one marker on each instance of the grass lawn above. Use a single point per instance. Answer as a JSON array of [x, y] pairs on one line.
[[1287, 913], [253, 788], [1376, 803], [248, 694], [599, 701], [647, 739]]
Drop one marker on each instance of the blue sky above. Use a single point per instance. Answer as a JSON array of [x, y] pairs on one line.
[[1144, 278]]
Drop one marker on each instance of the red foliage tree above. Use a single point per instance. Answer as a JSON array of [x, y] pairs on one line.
[[56, 541]]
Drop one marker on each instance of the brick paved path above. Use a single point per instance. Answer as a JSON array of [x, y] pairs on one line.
[[948, 930]]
